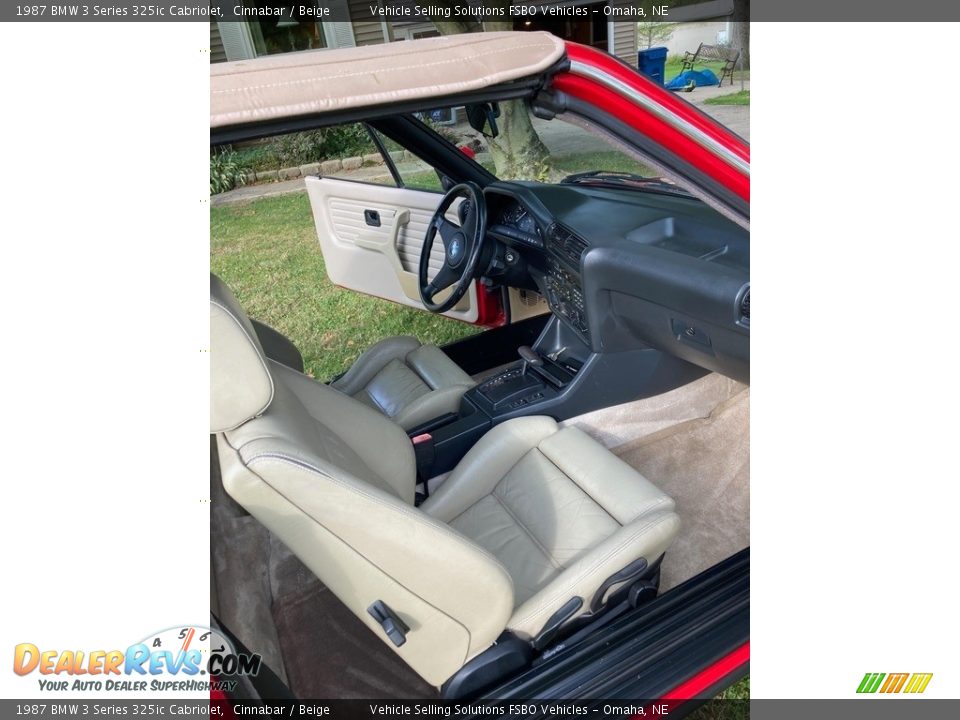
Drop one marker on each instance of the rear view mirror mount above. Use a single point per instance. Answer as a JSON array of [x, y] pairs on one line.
[[483, 118]]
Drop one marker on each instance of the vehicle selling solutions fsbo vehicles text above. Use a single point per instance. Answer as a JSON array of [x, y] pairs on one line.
[[447, 12]]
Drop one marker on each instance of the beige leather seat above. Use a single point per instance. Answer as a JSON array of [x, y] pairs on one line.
[[408, 382], [532, 517]]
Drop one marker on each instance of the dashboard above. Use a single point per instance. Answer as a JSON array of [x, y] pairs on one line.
[[625, 269]]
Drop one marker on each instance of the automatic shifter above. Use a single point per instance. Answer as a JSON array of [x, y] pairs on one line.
[[530, 358]]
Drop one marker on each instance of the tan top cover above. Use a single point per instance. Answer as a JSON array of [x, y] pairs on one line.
[[320, 81]]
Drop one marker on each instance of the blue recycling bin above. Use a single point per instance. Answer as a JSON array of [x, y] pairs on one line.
[[652, 63]]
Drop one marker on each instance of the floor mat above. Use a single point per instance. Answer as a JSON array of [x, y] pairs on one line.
[[329, 653], [704, 464], [620, 424]]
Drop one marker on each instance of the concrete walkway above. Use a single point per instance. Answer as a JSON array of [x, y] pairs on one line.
[[375, 174], [735, 117], [560, 137]]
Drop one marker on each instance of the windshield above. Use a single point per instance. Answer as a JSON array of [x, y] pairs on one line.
[[553, 151], [531, 148]]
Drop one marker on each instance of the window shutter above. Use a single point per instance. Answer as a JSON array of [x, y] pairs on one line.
[[235, 37], [339, 34]]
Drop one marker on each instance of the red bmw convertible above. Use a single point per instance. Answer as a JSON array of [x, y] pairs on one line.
[[556, 507]]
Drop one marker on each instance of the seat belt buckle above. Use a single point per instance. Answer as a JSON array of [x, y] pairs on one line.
[[424, 452]]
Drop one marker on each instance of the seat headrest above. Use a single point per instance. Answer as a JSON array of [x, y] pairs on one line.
[[241, 386]]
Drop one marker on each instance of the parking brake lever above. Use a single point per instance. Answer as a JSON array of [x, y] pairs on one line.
[[530, 358]]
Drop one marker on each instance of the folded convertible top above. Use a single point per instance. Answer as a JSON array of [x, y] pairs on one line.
[[306, 83]]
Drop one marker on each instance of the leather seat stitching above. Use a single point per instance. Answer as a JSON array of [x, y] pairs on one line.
[[366, 389], [403, 585], [411, 368], [436, 524], [639, 513], [519, 524], [374, 399], [509, 470], [581, 488], [549, 604]]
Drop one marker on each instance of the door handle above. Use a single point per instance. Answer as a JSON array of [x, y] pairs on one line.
[[385, 243], [371, 218]]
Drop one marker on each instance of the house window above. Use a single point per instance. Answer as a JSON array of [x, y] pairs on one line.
[[293, 32], [414, 31], [585, 32]]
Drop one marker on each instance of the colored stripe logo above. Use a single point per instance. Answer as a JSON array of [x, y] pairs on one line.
[[913, 683]]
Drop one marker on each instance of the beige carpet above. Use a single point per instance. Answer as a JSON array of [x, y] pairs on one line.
[[694, 443]]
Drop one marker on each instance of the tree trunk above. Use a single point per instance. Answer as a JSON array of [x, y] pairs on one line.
[[518, 152], [741, 31]]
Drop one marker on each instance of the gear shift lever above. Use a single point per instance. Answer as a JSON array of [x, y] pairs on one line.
[[530, 358]]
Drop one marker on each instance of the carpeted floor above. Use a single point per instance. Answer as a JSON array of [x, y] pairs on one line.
[[694, 443], [704, 464], [329, 653]]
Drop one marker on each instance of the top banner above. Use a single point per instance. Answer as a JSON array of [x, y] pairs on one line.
[[473, 11]]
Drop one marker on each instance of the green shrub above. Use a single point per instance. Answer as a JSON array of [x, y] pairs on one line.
[[443, 131], [258, 157], [324, 144], [226, 171]]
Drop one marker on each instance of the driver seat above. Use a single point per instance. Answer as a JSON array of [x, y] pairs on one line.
[[398, 377], [408, 382], [535, 528]]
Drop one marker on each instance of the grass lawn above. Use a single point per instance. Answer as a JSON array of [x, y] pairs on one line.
[[267, 252], [611, 161], [737, 98], [732, 704], [675, 64]]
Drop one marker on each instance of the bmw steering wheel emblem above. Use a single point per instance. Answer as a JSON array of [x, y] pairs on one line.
[[455, 249]]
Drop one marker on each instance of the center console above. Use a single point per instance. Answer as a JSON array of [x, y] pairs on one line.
[[534, 379], [562, 284], [559, 375]]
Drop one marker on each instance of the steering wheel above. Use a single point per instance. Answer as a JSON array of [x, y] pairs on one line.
[[462, 245]]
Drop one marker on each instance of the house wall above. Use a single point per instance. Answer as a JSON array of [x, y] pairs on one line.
[[365, 32], [625, 40], [689, 35]]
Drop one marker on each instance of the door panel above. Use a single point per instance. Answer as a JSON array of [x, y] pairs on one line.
[[379, 260]]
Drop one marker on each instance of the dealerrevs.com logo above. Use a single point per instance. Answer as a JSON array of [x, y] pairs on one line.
[[911, 683], [183, 659]]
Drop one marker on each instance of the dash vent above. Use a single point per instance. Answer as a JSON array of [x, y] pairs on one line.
[[567, 245], [745, 306]]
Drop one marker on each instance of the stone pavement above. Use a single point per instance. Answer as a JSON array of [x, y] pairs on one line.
[[555, 135]]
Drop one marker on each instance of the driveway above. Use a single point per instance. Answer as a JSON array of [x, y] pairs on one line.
[[735, 117]]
